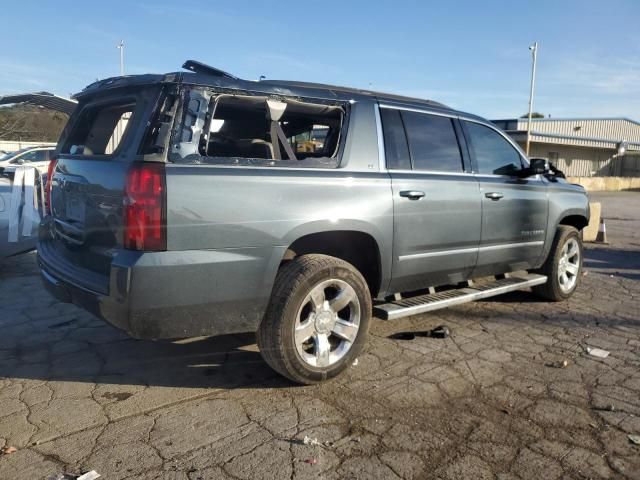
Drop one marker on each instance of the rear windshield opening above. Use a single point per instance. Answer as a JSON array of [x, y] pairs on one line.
[[99, 129]]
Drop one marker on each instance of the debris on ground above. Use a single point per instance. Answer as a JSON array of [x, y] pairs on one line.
[[635, 439], [597, 352], [355, 363], [8, 450], [403, 336], [311, 461], [310, 441], [441, 331], [558, 364], [342, 441], [92, 475], [607, 408]]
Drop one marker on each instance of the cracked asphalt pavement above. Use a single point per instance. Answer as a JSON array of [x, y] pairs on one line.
[[487, 402]]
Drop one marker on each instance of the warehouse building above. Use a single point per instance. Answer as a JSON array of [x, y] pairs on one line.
[[582, 147]]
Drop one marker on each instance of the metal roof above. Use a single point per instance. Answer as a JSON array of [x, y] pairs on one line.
[[358, 91], [567, 119], [205, 75], [43, 99], [199, 67], [598, 132]]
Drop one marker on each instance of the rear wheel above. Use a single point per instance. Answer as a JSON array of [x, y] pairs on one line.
[[563, 266], [318, 319]]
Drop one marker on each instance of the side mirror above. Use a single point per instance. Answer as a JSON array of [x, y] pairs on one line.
[[20, 161], [537, 166]]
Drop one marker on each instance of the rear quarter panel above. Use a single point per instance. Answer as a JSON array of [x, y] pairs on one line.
[[237, 222], [214, 207]]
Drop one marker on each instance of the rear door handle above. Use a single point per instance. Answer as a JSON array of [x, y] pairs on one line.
[[494, 195], [412, 194]]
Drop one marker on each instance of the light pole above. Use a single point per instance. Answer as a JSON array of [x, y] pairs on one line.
[[120, 47], [534, 55]]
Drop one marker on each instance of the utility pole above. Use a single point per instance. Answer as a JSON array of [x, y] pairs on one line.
[[120, 47], [534, 56]]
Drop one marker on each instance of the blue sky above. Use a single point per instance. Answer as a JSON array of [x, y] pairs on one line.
[[472, 55]]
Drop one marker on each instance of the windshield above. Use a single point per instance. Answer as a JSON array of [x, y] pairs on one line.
[[11, 155]]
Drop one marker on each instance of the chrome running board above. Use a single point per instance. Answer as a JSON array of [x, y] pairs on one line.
[[448, 298]]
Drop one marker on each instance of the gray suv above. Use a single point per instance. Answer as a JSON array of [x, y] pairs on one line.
[[196, 203]]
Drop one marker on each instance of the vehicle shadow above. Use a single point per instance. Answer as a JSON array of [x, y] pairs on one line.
[[613, 261], [67, 344], [94, 352], [41, 339], [605, 261], [518, 296]]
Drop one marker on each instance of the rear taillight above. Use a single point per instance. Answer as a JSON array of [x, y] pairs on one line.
[[145, 207], [50, 170]]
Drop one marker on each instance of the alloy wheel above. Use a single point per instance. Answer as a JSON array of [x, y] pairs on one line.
[[569, 265], [327, 323]]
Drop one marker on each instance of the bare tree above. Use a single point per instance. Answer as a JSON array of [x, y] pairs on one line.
[[13, 125]]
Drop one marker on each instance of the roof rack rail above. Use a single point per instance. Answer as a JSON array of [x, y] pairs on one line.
[[199, 67]]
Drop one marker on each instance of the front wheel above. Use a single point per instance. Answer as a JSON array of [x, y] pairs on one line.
[[317, 321], [563, 266]]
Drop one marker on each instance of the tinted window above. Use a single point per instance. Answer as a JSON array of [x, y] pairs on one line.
[[42, 155], [493, 153], [29, 157], [395, 141], [432, 142]]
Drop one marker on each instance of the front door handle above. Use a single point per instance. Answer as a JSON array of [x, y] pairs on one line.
[[494, 195], [412, 194]]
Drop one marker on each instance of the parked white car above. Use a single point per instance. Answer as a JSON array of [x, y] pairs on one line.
[[33, 156]]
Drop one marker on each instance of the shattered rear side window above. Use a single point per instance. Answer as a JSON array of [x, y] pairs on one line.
[[258, 130]]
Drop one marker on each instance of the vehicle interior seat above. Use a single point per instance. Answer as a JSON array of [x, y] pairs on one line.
[[242, 147]]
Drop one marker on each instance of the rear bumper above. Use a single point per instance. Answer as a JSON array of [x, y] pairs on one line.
[[174, 294]]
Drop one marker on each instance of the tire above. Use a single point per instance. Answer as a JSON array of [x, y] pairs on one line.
[[307, 299], [566, 241]]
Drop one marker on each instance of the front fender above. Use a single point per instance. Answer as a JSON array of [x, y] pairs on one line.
[[565, 201]]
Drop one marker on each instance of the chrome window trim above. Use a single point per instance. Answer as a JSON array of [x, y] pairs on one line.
[[432, 172], [260, 167], [493, 175], [382, 157], [420, 110], [415, 256]]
